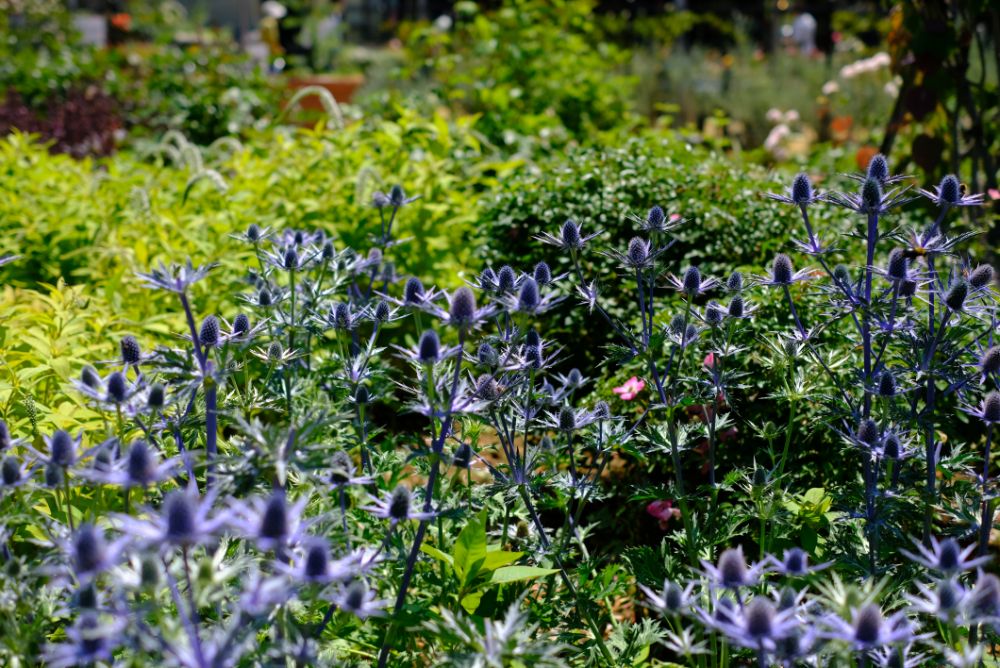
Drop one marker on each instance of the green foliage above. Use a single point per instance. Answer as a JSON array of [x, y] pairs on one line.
[[529, 67]]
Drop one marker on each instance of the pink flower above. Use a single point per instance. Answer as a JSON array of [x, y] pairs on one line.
[[630, 389], [663, 511], [709, 361], [993, 193]]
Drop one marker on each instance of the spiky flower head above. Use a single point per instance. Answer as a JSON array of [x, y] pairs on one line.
[[327, 253], [131, 353], [10, 471], [429, 348], [528, 299], [692, 281], [887, 384], [274, 521], [567, 419], [413, 291], [62, 448], [361, 395], [462, 309], [5, 439], [991, 408], [735, 282], [638, 252], [781, 270], [602, 411], [656, 218], [241, 325], [878, 169], [399, 503], [209, 333], [487, 355], [956, 295], [117, 387], [868, 624], [871, 195], [89, 377], [88, 549], [487, 388], [253, 232], [714, 314], [275, 352], [981, 277], [290, 260], [842, 274], [989, 363], [570, 235], [737, 307], [264, 298], [898, 268], [542, 274], [802, 190], [950, 190], [867, 432], [506, 279]]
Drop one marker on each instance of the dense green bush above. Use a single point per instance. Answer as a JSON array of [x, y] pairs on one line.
[[527, 68]]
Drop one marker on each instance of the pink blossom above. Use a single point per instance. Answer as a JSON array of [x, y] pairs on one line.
[[663, 511], [630, 389], [993, 193], [709, 361]]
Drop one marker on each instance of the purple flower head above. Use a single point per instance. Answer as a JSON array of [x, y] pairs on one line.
[[869, 630], [542, 274], [878, 169], [955, 298], [984, 602], [570, 238], [949, 194], [988, 410], [887, 384], [131, 353], [898, 268], [672, 600], [732, 571], [989, 363], [800, 193], [62, 448], [413, 291], [209, 333], [117, 388], [506, 279], [241, 325], [867, 433], [946, 556], [981, 277], [429, 347], [735, 282], [397, 507], [528, 299]]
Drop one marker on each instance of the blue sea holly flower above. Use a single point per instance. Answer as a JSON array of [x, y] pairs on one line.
[[949, 193], [758, 625], [671, 600], [176, 278], [945, 556], [571, 237], [357, 599], [800, 193], [732, 571], [140, 467], [397, 507], [795, 563], [944, 601], [314, 565], [184, 520], [343, 472], [130, 350], [271, 522], [988, 411], [869, 630]]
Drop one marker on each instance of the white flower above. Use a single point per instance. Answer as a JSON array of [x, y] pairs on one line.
[[774, 115], [831, 87]]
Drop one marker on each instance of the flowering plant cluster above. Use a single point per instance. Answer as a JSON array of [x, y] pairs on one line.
[[249, 501]]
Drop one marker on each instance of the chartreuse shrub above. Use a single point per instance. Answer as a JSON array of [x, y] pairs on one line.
[[98, 222], [225, 493]]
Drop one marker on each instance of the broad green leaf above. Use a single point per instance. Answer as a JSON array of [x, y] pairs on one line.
[[496, 559], [437, 554], [471, 601], [470, 548], [518, 573]]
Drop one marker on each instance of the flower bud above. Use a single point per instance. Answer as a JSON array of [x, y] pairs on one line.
[[506, 279], [413, 291], [781, 269], [878, 169], [735, 282], [209, 334], [956, 296], [950, 190], [130, 350], [802, 191], [571, 235], [692, 281], [156, 397], [981, 277], [463, 306], [989, 362], [429, 347], [528, 298], [871, 196], [542, 274], [487, 355], [898, 265]]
